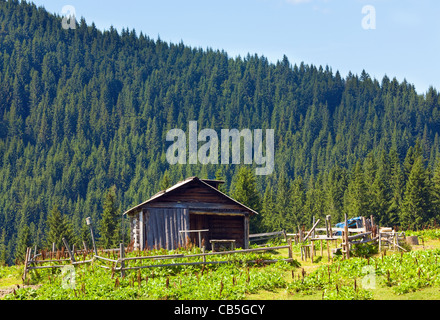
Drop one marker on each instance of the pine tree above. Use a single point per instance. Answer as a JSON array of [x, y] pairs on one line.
[[58, 228], [269, 221], [297, 202], [109, 231], [220, 175], [246, 192], [3, 253], [23, 237], [436, 191], [381, 194], [165, 182], [356, 196], [282, 203], [396, 184], [417, 201]]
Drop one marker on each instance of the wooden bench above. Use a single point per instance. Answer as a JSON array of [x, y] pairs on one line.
[[222, 243]]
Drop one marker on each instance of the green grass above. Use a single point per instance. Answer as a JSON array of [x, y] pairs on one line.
[[227, 281], [405, 281], [10, 276], [410, 276]]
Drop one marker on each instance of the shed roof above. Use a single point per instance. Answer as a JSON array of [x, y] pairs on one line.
[[207, 183]]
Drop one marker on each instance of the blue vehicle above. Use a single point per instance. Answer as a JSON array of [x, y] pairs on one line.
[[351, 223]]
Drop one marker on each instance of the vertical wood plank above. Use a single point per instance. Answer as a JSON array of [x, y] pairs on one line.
[[141, 231], [147, 229], [328, 250], [246, 232], [72, 258], [166, 221], [347, 245], [122, 256], [26, 260], [289, 241]]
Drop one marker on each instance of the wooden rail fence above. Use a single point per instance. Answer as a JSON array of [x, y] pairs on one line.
[[32, 262]]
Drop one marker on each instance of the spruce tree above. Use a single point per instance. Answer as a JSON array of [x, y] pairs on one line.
[[381, 195], [23, 236], [246, 192], [3, 254], [165, 182], [356, 196], [108, 226], [436, 191], [397, 188], [297, 202], [269, 221], [58, 228], [417, 201]]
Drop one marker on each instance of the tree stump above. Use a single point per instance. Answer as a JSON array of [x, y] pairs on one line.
[[412, 240]]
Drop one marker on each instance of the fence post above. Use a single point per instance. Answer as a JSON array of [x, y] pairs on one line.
[[347, 245], [89, 223], [121, 257], [290, 248], [26, 263], [72, 258]]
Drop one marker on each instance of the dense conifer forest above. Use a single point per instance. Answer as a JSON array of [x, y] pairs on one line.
[[84, 115]]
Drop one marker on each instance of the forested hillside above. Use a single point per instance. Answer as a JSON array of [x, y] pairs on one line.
[[84, 115]]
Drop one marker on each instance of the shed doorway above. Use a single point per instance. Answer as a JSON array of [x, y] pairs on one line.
[[220, 226]]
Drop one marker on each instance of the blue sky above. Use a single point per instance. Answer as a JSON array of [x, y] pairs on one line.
[[405, 43]]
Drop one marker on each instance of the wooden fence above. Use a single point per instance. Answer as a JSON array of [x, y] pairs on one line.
[[33, 263]]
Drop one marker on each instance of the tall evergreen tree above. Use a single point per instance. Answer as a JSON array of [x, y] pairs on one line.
[[436, 191], [356, 196], [58, 228], [246, 192], [381, 193], [297, 201], [3, 251], [269, 220], [109, 224], [417, 201]]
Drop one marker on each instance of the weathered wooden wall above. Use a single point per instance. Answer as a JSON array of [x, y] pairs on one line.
[[192, 206], [162, 226]]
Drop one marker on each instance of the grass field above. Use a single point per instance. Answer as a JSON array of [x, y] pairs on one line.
[[430, 244], [398, 276]]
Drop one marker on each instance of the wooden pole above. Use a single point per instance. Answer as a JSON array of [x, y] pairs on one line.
[[380, 242], [328, 250], [289, 241], [72, 258], [347, 245], [327, 232], [26, 259], [373, 227], [122, 256], [329, 219], [93, 241], [311, 230]]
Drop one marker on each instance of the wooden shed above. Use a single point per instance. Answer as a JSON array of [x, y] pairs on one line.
[[184, 209]]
